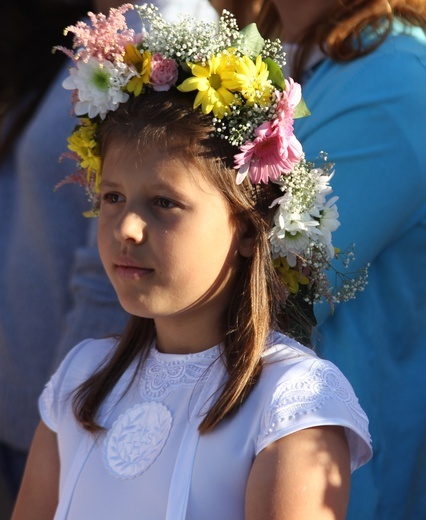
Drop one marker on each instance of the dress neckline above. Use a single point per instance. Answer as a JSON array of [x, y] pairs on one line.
[[207, 355]]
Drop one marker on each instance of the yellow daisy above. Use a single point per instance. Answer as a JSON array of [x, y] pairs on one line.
[[253, 78], [142, 63], [216, 81], [83, 142]]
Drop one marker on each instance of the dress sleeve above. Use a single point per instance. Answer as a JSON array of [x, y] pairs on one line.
[[315, 393], [58, 389]]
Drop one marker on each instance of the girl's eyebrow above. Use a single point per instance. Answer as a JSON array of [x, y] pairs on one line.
[[159, 185], [108, 184]]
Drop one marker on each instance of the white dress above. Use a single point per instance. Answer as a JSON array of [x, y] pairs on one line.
[[150, 463]]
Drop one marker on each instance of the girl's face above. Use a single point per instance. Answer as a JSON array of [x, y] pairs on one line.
[[168, 244]]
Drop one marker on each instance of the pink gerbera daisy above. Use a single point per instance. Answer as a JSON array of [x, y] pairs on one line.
[[261, 158], [288, 100], [275, 149]]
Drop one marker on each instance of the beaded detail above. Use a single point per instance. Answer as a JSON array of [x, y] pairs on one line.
[[303, 395]]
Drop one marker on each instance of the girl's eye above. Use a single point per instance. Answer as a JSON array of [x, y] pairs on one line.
[[165, 203], [112, 198]]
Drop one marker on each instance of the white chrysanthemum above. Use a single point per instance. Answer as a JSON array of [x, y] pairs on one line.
[[328, 223], [99, 86], [289, 247], [322, 181], [304, 216], [324, 211], [292, 231]]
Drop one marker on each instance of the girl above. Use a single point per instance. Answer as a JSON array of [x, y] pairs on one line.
[[205, 408]]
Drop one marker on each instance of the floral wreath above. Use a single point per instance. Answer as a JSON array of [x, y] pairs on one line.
[[237, 76]]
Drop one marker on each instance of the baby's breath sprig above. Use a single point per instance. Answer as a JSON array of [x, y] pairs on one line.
[[187, 40], [239, 125]]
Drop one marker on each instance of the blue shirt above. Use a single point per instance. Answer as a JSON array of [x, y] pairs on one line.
[[370, 116]]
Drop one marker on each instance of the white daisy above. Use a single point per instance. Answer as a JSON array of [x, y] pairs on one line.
[[99, 86], [328, 223]]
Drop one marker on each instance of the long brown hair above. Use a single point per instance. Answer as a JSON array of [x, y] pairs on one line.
[[259, 302], [338, 31]]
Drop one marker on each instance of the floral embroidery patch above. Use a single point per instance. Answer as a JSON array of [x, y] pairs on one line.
[[136, 439]]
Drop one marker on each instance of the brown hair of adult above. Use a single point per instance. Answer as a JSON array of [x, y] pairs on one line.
[[167, 119], [339, 30]]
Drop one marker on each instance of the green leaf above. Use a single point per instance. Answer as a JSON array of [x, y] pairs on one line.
[[275, 73], [301, 110], [253, 42]]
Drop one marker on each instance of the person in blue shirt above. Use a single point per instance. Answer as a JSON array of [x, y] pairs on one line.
[[362, 65]]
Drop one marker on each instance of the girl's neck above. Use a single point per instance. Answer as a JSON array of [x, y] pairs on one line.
[[181, 336]]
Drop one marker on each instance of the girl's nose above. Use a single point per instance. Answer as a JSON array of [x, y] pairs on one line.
[[131, 228]]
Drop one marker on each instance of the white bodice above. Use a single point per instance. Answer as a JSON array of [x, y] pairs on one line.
[[150, 461]]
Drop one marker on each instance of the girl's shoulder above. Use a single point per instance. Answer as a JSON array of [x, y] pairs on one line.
[[79, 364], [284, 355], [85, 358], [280, 346], [288, 364]]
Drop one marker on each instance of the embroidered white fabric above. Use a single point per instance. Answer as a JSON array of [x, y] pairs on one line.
[[136, 439], [161, 375], [303, 395], [131, 470]]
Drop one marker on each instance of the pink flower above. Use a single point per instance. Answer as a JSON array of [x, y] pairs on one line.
[[275, 150], [164, 73], [261, 158], [288, 100], [105, 40], [271, 154]]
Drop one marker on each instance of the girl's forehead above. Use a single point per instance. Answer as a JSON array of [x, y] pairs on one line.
[[137, 148], [156, 166], [120, 154]]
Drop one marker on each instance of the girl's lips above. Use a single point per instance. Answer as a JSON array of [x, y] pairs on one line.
[[131, 272]]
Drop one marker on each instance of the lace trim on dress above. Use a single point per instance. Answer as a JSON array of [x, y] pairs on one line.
[[300, 396], [162, 373]]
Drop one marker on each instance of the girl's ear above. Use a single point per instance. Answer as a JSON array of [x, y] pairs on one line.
[[247, 239]]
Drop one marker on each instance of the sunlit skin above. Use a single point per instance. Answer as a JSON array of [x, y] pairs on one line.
[[168, 244]]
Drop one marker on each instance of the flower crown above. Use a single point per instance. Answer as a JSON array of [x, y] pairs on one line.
[[237, 77]]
